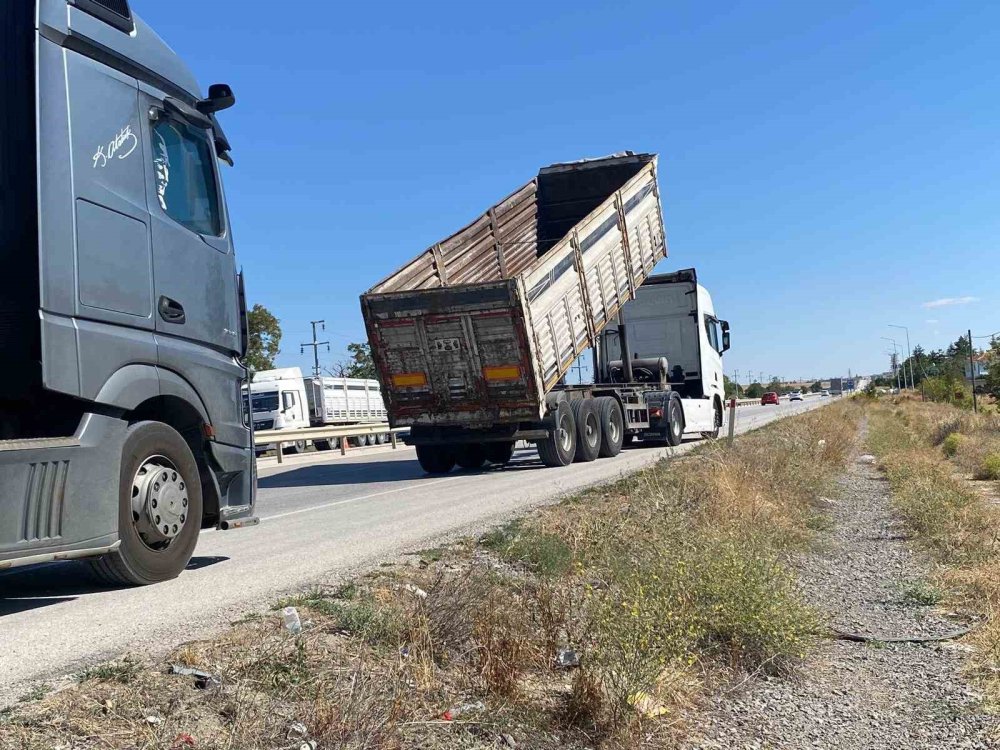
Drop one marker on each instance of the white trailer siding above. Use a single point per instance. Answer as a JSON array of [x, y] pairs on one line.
[[345, 401]]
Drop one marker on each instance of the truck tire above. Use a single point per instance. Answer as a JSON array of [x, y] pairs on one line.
[[714, 434], [499, 453], [612, 426], [559, 448], [322, 445], [436, 459], [588, 430], [675, 422], [470, 455], [299, 446], [159, 508]]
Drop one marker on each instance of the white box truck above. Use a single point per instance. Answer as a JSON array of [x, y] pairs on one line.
[[282, 399], [278, 401]]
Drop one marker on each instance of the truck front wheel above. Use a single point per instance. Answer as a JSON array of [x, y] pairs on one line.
[[436, 459], [559, 448], [612, 426], [714, 434], [159, 508], [292, 449], [675, 422], [588, 430]]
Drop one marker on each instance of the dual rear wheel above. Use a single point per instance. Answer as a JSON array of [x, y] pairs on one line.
[[583, 430], [440, 459]]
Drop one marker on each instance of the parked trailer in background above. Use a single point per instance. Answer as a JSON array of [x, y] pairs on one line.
[[346, 401], [122, 316], [474, 337]]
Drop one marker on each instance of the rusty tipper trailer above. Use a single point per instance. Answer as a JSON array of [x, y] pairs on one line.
[[473, 338]]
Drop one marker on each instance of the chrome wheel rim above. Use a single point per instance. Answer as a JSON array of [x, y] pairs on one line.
[[159, 502], [591, 429], [613, 430], [564, 437]]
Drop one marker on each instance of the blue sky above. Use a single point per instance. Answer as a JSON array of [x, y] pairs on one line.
[[827, 167]]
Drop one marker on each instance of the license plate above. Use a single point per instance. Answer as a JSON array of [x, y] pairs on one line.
[[447, 345]]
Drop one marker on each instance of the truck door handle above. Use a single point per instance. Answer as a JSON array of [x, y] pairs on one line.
[[171, 311]]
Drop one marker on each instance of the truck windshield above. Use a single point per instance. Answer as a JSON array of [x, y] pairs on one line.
[[265, 402]]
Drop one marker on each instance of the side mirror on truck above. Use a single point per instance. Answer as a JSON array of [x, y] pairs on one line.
[[220, 97], [725, 335]]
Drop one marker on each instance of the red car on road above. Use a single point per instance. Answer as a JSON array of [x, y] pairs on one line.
[[769, 398]]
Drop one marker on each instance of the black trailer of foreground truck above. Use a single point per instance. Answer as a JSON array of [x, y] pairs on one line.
[[473, 339]]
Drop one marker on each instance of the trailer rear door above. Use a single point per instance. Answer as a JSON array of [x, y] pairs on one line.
[[458, 355]]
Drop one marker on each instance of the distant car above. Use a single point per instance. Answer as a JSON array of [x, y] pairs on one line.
[[824, 393], [795, 396], [769, 398]]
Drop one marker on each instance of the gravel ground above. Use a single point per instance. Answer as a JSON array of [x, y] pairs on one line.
[[856, 695]]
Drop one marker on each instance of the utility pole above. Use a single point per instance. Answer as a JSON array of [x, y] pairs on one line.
[[909, 354], [316, 345], [579, 371], [972, 370], [895, 362]]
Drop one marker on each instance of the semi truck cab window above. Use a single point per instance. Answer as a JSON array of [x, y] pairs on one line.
[[714, 333], [185, 176]]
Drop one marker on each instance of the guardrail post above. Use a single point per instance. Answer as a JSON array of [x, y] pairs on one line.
[[281, 454], [343, 446], [392, 437], [732, 420]]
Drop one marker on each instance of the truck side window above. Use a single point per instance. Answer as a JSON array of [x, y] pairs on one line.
[[289, 398], [714, 337], [184, 170]]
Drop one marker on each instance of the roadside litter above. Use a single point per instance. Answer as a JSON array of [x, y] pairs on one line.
[[567, 658], [453, 713], [293, 623], [202, 680]]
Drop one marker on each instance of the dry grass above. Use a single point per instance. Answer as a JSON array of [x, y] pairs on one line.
[[660, 582], [933, 454]]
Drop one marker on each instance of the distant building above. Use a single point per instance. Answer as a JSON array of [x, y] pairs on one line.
[[981, 364]]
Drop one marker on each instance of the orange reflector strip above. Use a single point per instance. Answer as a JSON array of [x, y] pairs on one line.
[[504, 372], [409, 380]]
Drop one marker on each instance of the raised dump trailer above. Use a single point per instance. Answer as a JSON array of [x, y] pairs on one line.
[[473, 338]]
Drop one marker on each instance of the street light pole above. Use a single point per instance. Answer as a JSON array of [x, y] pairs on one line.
[[909, 354]]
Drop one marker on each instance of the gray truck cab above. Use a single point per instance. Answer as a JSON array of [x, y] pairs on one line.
[[122, 318]]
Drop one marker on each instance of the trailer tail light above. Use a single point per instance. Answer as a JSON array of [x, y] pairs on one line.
[[502, 372], [656, 412], [410, 380]]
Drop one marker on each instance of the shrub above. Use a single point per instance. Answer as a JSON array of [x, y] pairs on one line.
[[990, 467], [951, 444]]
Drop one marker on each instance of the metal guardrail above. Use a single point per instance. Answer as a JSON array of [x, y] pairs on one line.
[[280, 438]]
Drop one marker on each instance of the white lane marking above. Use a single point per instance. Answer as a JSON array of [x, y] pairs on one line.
[[357, 499]]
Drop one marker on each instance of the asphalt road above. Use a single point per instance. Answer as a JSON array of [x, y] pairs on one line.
[[323, 516]]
